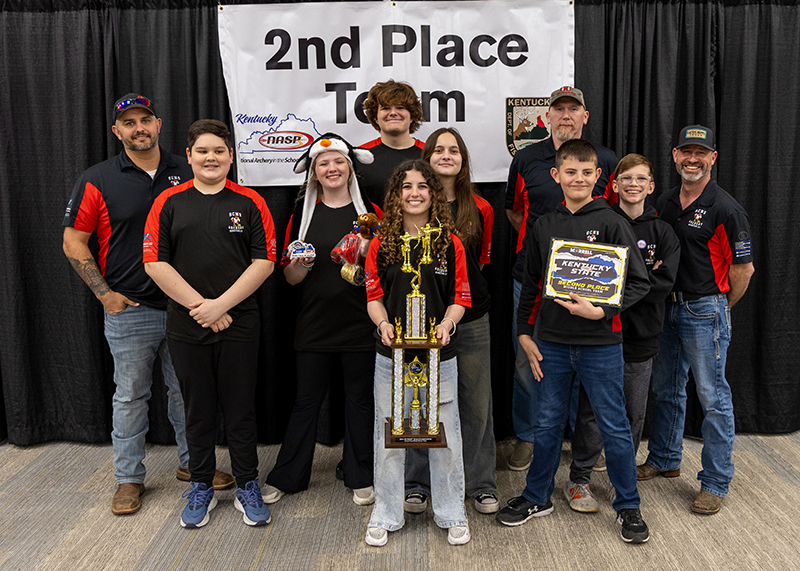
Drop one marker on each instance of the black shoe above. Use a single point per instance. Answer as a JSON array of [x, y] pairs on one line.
[[519, 510], [634, 530], [339, 471]]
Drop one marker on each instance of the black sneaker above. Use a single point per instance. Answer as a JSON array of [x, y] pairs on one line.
[[634, 530], [340, 470], [519, 510]]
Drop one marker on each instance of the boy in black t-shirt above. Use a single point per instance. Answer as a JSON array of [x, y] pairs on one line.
[[209, 244], [577, 338]]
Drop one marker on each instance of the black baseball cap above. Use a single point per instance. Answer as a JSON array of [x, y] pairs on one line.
[[132, 101], [696, 135]]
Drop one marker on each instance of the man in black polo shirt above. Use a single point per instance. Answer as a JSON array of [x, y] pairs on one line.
[[714, 272], [112, 199], [532, 192]]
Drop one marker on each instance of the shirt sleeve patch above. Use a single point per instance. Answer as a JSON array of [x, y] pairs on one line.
[[742, 248]]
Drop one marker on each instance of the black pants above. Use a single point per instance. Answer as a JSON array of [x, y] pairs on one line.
[[220, 374], [315, 373]]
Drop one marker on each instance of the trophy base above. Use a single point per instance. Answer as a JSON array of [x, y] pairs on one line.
[[414, 438]]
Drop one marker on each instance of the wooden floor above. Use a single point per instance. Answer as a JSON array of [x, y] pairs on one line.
[[55, 500]]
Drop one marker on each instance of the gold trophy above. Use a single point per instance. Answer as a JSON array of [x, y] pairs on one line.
[[415, 429]]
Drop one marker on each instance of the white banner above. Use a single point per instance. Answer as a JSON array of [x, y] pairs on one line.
[[296, 71]]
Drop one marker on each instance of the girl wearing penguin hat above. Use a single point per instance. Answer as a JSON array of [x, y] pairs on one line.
[[333, 333]]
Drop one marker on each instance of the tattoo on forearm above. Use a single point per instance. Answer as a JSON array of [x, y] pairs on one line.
[[89, 272]]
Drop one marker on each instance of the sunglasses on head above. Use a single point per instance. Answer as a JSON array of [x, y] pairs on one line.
[[124, 104]]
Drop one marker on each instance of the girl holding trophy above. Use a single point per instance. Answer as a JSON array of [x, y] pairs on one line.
[[417, 240], [333, 332], [473, 218]]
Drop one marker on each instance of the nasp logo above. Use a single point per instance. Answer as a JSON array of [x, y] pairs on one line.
[[525, 122], [285, 140]]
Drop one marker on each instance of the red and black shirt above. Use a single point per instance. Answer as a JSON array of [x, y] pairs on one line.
[[373, 177], [531, 187], [477, 253], [113, 199], [714, 233], [444, 283], [210, 240]]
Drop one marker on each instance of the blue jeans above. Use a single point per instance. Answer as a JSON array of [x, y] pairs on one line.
[[696, 334], [446, 464], [475, 412], [600, 370], [525, 403], [135, 337]]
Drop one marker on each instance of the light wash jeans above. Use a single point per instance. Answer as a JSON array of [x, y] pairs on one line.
[[446, 464], [135, 337], [475, 413], [600, 369], [696, 334]]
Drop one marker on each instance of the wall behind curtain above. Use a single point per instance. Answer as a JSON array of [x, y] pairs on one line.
[[646, 68]]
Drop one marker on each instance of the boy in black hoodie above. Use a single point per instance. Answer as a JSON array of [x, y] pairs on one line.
[[641, 324], [578, 338]]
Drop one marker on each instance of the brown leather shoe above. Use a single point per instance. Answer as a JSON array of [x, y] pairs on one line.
[[706, 503], [647, 472], [127, 499], [222, 480]]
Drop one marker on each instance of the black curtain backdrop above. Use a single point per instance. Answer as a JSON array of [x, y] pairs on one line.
[[647, 69]]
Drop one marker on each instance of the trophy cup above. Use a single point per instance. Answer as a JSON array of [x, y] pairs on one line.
[[415, 429]]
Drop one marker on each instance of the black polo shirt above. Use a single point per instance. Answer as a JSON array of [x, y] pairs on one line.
[[714, 233], [113, 199], [531, 187]]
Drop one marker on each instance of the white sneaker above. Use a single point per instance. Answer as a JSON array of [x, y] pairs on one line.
[[376, 536], [364, 496], [458, 535], [271, 494], [487, 503], [415, 503], [580, 497]]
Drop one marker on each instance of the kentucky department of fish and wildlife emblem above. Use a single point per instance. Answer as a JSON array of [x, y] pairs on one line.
[[525, 122]]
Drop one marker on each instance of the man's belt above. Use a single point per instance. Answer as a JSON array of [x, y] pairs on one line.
[[680, 297]]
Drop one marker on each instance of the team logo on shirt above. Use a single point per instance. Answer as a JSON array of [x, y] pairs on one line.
[[441, 265], [651, 254], [591, 235], [697, 221], [174, 179], [236, 222]]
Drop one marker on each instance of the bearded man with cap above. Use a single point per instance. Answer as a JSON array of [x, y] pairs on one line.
[[532, 192], [112, 200], [333, 334], [715, 269]]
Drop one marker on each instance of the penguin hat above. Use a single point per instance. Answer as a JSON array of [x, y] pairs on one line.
[[325, 143]]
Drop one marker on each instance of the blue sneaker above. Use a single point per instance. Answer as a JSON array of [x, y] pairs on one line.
[[201, 502], [251, 504]]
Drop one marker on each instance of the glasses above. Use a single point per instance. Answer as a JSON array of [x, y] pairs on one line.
[[627, 179], [125, 103]]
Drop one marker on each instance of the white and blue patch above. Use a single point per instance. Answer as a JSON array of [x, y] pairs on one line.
[[742, 248], [642, 244]]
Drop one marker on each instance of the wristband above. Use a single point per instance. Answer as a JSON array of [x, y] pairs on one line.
[[307, 267], [451, 321], [379, 325]]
